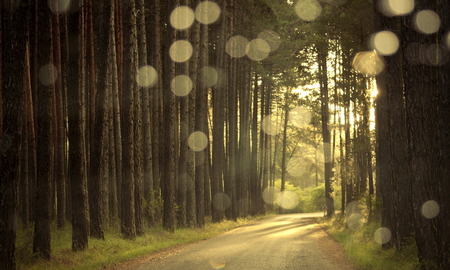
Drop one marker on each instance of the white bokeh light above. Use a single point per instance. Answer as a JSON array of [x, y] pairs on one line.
[[270, 194], [288, 199], [221, 201], [182, 17], [181, 51], [430, 209], [447, 40], [59, 6], [426, 22], [385, 42], [197, 141], [181, 85], [308, 10], [208, 76], [48, 74], [382, 235], [272, 38], [396, 7], [296, 166], [368, 63], [258, 49], [237, 46], [146, 76], [299, 117], [207, 12], [271, 124]]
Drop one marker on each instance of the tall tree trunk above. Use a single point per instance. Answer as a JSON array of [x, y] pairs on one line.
[[140, 55], [170, 129], [444, 142], [99, 146], [60, 150], [323, 79], [12, 36], [45, 154], [77, 121], [157, 112], [254, 179], [146, 120], [284, 149], [129, 117], [230, 181]]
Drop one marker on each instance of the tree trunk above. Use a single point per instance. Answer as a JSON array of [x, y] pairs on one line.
[[77, 125], [323, 79], [12, 36], [129, 118], [44, 151]]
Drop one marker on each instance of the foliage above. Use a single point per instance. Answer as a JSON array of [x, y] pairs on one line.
[[114, 249], [364, 251]]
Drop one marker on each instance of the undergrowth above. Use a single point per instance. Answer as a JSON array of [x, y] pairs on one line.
[[362, 249], [114, 249]]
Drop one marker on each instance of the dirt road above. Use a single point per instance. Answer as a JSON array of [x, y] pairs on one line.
[[292, 241]]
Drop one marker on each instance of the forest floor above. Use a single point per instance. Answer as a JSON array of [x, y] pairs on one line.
[[293, 241]]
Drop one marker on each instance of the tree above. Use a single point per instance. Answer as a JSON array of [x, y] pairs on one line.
[[128, 131], [77, 144], [323, 80], [12, 34], [44, 150]]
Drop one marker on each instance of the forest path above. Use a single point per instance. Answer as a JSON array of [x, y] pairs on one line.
[[292, 241]]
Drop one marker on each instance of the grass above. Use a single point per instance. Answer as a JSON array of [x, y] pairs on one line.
[[114, 249], [365, 252]]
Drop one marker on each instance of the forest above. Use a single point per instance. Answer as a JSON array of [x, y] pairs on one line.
[[134, 114]]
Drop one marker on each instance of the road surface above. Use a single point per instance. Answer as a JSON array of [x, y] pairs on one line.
[[285, 242]]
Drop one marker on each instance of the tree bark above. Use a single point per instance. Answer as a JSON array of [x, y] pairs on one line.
[[129, 117], [77, 126], [44, 151], [12, 30]]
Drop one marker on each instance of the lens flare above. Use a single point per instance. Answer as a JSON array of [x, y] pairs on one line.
[[426, 22], [209, 76], [217, 265], [296, 166], [382, 235], [59, 6], [258, 49], [146, 76], [396, 7], [237, 46], [182, 17], [48, 74], [437, 55], [430, 209], [385, 42], [221, 201], [181, 85], [271, 124], [299, 117], [181, 51], [308, 10], [368, 63], [207, 12], [272, 38], [288, 199], [355, 221], [270, 194], [197, 141]]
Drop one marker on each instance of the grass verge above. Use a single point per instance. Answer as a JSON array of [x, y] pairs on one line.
[[362, 249], [114, 249]]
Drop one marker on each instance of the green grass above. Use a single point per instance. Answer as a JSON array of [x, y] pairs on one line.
[[365, 252], [114, 249]]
